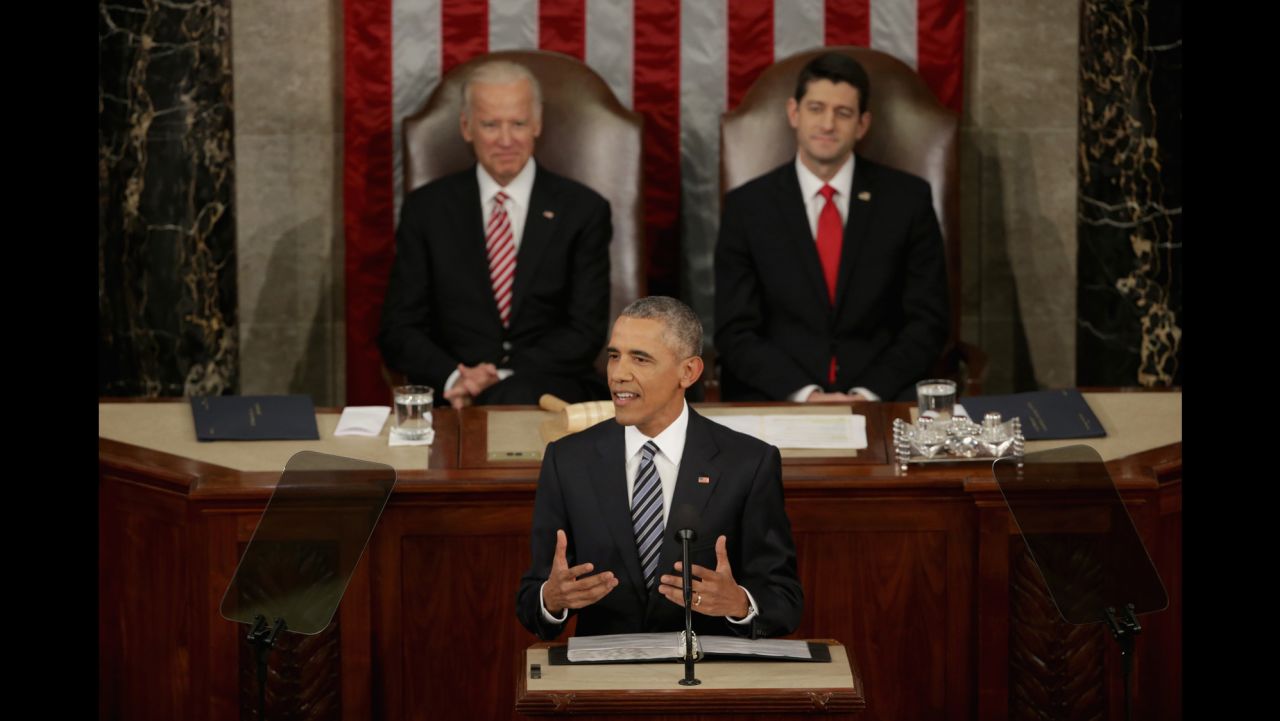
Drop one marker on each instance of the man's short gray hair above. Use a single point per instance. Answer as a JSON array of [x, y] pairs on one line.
[[684, 330], [501, 72]]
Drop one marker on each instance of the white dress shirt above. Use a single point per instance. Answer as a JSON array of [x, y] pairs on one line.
[[811, 187], [518, 192], [670, 442], [810, 190], [517, 207]]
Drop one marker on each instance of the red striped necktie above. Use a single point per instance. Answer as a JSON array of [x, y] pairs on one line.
[[500, 243], [830, 238]]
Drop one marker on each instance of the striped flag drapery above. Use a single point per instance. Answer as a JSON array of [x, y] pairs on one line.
[[680, 63]]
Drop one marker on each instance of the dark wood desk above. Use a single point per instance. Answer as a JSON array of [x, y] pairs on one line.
[[920, 574]]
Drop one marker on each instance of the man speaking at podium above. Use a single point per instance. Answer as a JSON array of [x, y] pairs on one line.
[[603, 542]]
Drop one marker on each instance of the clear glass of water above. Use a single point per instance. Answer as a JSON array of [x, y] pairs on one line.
[[413, 412], [937, 395]]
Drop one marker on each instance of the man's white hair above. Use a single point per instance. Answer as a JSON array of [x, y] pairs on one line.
[[501, 72]]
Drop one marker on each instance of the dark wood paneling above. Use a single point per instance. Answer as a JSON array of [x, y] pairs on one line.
[[460, 627], [913, 572], [1056, 670], [896, 590], [146, 623], [1159, 654], [303, 677]]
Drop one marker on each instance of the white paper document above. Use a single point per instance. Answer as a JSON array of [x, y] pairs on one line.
[[842, 431], [362, 420], [662, 646], [751, 425], [774, 647], [624, 647]]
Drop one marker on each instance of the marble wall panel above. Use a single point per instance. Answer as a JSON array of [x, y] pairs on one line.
[[1130, 210], [166, 232]]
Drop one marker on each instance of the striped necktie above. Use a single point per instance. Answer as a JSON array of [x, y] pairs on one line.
[[646, 513], [500, 243]]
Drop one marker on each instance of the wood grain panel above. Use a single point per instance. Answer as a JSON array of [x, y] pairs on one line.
[[1056, 669], [303, 677], [460, 633], [145, 543], [885, 595]]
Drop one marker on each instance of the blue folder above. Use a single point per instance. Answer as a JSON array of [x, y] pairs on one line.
[[1046, 415], [254, 418]]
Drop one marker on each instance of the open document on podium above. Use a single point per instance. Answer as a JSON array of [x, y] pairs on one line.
[[634, 647]]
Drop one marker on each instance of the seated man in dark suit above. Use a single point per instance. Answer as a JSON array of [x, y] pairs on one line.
[[500, 287], [603, 535], [831, 281]]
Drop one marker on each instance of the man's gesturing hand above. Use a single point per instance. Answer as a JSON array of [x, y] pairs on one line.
[[715, 593], [565, 590]]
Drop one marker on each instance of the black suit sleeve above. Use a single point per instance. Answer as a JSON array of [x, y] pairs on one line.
[[405, 336], [572, 346], [739, 305], [925, 306], [549, 515], [768, 555]]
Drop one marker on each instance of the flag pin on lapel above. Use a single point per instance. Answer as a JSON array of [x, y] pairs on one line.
[[704, 479], [548, 214], [864, 195]]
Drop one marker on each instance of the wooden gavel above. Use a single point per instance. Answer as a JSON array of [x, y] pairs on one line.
[[577, 415]]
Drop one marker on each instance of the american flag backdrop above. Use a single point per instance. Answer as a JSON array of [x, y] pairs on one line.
[[680, 63]]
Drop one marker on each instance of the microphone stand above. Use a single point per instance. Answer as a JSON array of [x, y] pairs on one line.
[[263, 638], [1124, 627], [685, 536]]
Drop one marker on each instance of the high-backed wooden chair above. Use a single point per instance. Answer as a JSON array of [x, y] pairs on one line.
[[910, 131], [587, 135]]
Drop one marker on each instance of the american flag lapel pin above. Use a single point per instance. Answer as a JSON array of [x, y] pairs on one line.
[[548, 214], [704, 479], [864, 195]]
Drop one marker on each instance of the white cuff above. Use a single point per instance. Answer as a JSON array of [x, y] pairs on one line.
[[503, 374], [802, 395], [865, 393], [564, 614], [450, 381], [751, 608]]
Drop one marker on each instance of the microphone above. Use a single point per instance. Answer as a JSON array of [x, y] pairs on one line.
[[684, 518]]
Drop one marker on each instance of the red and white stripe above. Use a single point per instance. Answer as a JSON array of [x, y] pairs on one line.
[[500, 244], [679, 63]]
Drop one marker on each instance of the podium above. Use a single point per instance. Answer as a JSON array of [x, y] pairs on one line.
[[749, 689]]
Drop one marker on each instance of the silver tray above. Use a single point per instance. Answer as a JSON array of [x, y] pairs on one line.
[[957, 440]]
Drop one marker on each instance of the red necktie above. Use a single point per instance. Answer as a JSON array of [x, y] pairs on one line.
[[830, 238], [501, 246]]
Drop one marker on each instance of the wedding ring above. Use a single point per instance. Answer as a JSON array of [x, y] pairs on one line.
[[698, 602]]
